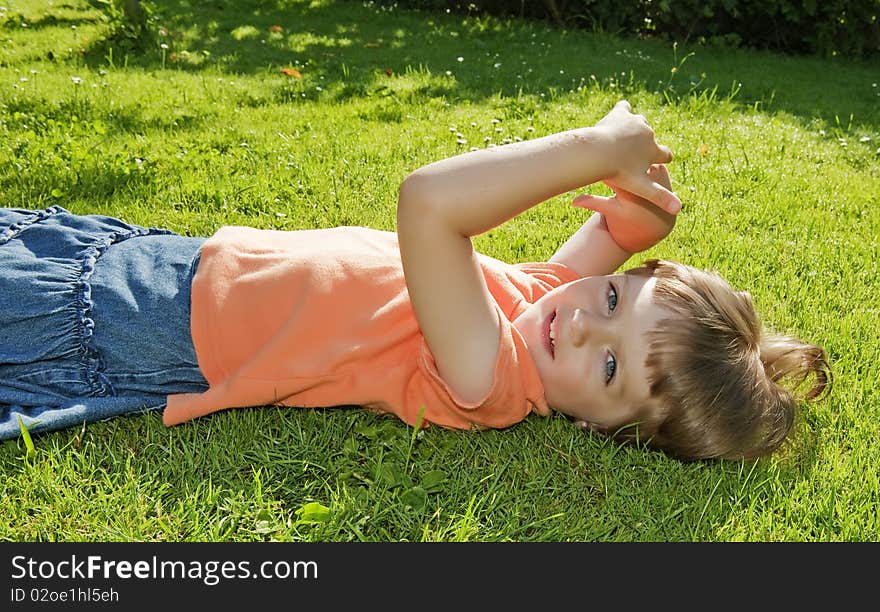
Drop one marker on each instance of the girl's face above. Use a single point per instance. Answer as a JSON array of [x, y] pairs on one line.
[[588, 339]]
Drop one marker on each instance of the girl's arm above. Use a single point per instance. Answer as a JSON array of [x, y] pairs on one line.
[[624, 224], [592, 251], [442, 205]]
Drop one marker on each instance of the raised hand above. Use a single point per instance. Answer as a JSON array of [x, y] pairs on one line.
[[630, 149], [634, 223]]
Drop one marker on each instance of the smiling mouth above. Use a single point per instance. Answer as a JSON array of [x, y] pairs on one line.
[[550, 335]]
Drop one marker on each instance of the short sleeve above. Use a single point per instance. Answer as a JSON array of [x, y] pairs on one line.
[[516, 389], [549, 274]]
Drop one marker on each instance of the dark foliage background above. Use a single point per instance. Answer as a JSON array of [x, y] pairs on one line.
[[849, 28]]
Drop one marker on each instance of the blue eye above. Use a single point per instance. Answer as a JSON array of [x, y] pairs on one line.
[[612, 298], [610, 368]]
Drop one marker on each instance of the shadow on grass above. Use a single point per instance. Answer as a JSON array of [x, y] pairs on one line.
[[122, 119], [95, 180], [347, 45], [49, 21]]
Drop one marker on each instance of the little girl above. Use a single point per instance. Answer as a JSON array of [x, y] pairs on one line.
[[102, 318]]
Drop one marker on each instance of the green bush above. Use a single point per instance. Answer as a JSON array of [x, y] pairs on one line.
[[848, 28], [130, 22]]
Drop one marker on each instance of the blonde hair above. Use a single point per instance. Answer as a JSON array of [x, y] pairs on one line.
[[726, 388]]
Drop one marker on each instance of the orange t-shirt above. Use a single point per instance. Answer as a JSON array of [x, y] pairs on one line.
[[320, 318]]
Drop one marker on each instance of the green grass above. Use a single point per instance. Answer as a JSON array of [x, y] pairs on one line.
[[776, 161]]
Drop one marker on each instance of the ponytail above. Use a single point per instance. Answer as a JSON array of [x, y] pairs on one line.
[[788, 359]]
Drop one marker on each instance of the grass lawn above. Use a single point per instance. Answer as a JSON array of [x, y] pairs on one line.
[[290, 114]]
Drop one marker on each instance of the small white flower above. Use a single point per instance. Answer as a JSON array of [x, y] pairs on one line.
[[460, 58], [163, 46], [76, 80], [865, 139]]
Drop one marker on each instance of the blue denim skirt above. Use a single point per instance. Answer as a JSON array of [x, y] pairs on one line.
[[94, 319]]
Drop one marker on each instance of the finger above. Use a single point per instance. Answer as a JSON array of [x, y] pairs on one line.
[[600, 204], [625, 105], [664, 156], [657, 194], [660, 174]]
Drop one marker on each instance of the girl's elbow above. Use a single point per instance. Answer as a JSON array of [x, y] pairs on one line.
[[414, 201], [412, 189]]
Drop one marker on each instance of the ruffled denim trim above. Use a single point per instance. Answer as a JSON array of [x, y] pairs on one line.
[[15, 229], [89, 358]]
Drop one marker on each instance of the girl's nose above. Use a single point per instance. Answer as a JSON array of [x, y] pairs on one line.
[[588, 326], [580, 327]]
